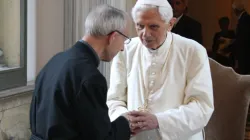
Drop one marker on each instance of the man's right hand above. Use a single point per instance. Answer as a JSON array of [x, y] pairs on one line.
[[132, 123]]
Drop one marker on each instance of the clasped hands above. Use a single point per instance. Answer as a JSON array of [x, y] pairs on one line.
[[141, 121]]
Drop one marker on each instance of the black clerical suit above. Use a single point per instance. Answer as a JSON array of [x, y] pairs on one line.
[[241, 46], [69, 101], [189, 28]]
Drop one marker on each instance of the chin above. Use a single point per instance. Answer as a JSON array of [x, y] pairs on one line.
[[106, 59], [176, 15], [150, 46]]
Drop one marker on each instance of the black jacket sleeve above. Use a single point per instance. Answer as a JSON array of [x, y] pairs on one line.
[[93, 113]]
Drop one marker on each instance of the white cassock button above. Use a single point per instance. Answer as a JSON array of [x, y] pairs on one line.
[[153, 73], [153, 63]]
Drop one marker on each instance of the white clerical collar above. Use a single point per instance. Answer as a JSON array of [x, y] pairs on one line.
[[164, 46], [177, 20]]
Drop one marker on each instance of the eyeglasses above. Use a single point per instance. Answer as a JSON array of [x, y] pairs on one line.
[[127, 41]]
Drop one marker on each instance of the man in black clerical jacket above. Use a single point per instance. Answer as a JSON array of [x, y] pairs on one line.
[[241, 46], [185, 25], [69, 101]]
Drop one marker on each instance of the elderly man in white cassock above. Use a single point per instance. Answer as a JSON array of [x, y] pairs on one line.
[[161, 80]]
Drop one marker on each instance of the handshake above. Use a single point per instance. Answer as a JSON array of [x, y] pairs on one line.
[[140, 121]]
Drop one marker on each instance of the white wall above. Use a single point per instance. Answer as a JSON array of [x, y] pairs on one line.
[[49, 30], [129, 6], [45, 33]]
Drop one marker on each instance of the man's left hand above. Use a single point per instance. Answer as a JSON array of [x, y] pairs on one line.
[[143, 121]]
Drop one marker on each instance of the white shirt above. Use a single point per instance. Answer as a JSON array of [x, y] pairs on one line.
[[241, 14], [179, 87], [177, 20]]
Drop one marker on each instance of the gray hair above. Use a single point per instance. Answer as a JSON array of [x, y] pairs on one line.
[[165, 12], [104, 19]]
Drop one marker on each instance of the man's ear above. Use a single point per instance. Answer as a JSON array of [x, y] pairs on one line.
[[111, 37], [171, 24]]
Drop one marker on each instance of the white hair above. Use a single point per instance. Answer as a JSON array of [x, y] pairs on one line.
[[166, 12], [105, 19]]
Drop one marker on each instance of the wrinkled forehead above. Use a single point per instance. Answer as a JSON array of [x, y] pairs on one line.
[[164, 3], [148, 16]]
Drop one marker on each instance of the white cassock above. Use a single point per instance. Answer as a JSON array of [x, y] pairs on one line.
[[176, 80]]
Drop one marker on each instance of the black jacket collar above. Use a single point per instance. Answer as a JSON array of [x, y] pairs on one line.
[[84, 47]]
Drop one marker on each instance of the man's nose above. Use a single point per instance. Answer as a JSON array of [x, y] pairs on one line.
[[146, 32]]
